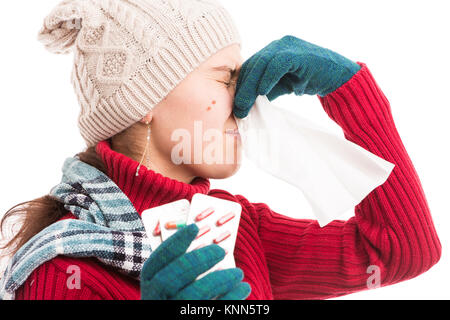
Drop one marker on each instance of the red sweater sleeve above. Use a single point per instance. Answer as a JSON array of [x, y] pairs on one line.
[[392, 228], [51, 281]]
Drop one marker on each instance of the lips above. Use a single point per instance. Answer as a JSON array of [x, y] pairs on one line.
[[234, 132]]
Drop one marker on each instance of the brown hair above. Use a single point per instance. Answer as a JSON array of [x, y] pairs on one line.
[[39, 213]]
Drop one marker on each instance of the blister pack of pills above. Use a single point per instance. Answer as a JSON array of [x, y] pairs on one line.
[[217, 220], [155, 217]]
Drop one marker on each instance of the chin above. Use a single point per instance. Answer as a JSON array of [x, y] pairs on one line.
[[221, 170], [218, 171]]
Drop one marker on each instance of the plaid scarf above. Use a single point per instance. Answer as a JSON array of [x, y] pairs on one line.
[[108, 228]]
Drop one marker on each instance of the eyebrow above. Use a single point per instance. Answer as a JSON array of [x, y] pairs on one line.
[[232, 72], [224, 69]]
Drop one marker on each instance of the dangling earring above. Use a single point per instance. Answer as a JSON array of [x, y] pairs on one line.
[[146, 151]]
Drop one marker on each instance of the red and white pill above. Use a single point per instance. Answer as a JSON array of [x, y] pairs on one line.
[[225, 219], [204, 214], [157, 230], [222, 237], [203, 230]]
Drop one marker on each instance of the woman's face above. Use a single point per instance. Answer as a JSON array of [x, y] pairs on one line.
[[190, 125]]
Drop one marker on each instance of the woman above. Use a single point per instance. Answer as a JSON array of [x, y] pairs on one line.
[[146, 69]]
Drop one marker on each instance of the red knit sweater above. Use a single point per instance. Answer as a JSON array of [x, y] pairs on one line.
[[285, 258]]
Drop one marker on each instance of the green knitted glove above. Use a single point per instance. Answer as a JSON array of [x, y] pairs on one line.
[[290, 65], [170, 272]]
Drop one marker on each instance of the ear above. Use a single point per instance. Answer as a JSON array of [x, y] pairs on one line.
[[148, 118]]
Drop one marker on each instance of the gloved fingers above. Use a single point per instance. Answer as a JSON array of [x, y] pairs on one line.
[[168, 251], [248, 82], [246, 66], [250, 63], [283, 63], [239, 292], [214, 284], [249, 78], [291, 42], [243, 92], [281, 88], [186, 269]]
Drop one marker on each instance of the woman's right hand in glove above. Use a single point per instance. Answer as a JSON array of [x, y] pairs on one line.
[[290, 65], [170, 272]]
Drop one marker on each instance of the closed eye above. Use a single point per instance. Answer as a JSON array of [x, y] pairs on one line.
[[229, 83], [232, 73], [233, 79]]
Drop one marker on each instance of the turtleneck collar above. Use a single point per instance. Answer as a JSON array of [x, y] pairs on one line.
[[149, 189]]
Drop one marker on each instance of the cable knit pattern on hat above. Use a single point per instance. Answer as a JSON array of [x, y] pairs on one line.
[[130, 54]]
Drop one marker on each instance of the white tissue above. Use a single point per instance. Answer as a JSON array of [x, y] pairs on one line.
[[333, 173]]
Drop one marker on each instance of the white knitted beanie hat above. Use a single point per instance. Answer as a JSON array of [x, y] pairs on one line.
[[129, 54]]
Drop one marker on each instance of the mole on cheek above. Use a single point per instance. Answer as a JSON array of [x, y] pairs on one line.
[[209, 108]]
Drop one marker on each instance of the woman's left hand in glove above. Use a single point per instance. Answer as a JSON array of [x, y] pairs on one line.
[[290, 65]]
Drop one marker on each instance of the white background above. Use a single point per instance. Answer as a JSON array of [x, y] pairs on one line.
[[404, 43]]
